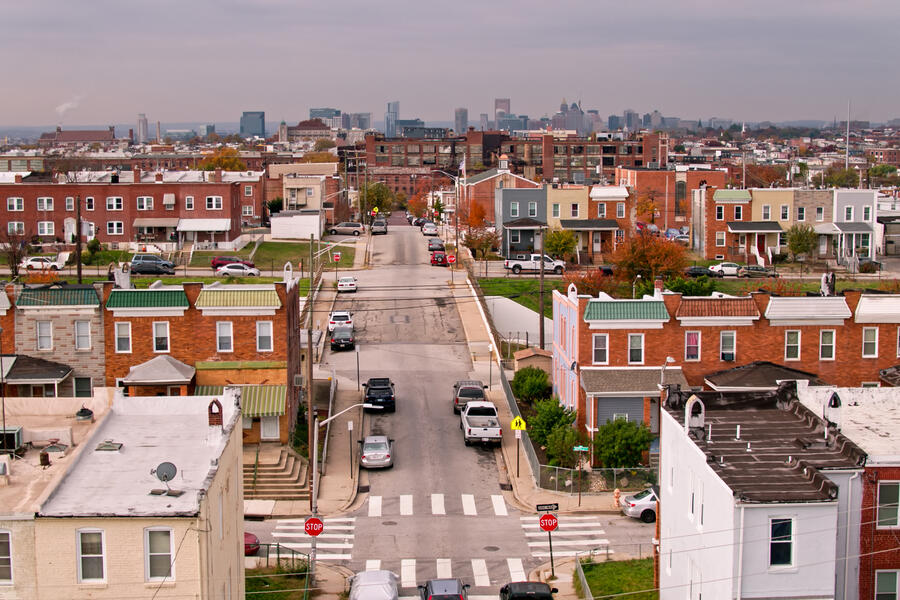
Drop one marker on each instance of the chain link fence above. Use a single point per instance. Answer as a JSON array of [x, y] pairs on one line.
[[595, 481]]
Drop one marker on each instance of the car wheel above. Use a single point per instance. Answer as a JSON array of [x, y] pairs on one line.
[[558, 270], [466, 441], [356, 233], [54, 268], [648, 516], [334, 232], [516, 269]]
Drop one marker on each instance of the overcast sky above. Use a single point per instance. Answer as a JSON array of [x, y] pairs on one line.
[[104, 61]]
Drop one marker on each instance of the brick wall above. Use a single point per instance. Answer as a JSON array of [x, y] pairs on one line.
[[878, 547]]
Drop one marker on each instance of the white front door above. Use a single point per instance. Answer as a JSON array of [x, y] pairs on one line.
[[823, 245], [597, 242], [269, 428]]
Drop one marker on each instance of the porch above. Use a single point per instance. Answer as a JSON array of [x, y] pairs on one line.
[[595, 237], [757, 241]]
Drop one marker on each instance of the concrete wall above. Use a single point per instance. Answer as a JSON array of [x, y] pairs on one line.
[[296, 227], [511, 318]]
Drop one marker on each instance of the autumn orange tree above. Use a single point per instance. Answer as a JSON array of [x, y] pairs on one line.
[[591, 281], [649, 256], [476, 215], [647, 205], [227, 159]]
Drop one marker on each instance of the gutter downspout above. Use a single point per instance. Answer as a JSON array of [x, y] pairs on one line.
[[847, 531], [740, 573]]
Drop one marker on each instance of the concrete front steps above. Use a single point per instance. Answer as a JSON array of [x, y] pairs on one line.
[[281, 475]]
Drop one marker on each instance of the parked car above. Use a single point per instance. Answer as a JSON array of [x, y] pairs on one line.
[[251, 544], [429, 229], [377, 452], [379, 226], [348, 228], [868, 265], [466, 390], [532, 262], [641, 505], [380, 392], [435, 244], [439, 259], [373, 585], [444, 589], [151, 264], [699, 271], [342, 339], [41, 263], [725, 268], [527, 590], [682, 239], [340, 318], [480, 422], [346, 284], [237, 270], [221, 261], [756, 271], [418, 221]]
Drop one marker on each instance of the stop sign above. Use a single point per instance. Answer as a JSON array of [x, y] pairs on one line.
[[548, 522], [337, 257], [451, 259], [314, 526]]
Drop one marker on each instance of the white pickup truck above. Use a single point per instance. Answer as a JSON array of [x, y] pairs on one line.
[[480, 423], [532, 262]]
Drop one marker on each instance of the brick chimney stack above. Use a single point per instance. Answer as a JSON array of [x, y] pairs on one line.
[[136, 173]]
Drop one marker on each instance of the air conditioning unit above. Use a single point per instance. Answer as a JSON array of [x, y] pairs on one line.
[[11, 439], [728, 356], [298, 380]]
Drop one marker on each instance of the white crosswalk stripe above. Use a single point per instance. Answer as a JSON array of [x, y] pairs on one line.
[[373, 565], [574, 534], [444, 569], [334, 543], [437, 504], [374, 506], [499, 505], [480, 572], [405, 505], [408, 572], [516, 570], [484, 574], [468, 503]]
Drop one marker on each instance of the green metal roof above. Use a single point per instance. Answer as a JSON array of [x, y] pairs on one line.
[[625, 310], [720, 195], [147, 299], [256, 400], [232, 298], [58, 297]]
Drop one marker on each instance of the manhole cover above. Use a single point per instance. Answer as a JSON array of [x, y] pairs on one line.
[[389, 523], [399, 319], [491, 548]]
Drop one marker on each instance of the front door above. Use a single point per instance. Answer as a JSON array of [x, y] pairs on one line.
[[823, 245], [269, 428], [598, 246]]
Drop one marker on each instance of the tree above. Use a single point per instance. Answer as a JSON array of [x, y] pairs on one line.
[[801, 239], [476, 215], [15, 248], [840, 178], [591, 281], [679, 148], [560, 243], [766, 175], [649, 256], [377, 194], [227, 159], [530, 384], [560, 444], [275, 205], [701, 286], [647, 204], [323, 144], [549, 415], [882, 171], [621, 443], [481, 240]]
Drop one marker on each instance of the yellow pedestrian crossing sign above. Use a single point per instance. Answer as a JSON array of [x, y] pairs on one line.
[[375, 210], [518, 424]]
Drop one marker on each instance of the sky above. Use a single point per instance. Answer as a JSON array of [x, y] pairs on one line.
[[104, 61]]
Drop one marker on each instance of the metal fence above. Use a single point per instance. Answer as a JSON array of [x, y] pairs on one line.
[[605, 553], [331, 394], [286, 562], [530, 455], [595, 481]]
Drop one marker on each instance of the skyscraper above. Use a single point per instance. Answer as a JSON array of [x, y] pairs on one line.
[[143, 130], [632, 120], [461, 121], [501, 105], [390, 118], [484, 122], [253, 124]]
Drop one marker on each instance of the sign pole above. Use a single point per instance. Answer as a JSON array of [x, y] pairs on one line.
[[518, 445], [552, 569]]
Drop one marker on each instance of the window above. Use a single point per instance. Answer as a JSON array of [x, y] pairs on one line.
[[887, 503], [310, 192], [45, 203], [248, 190], [91, 561], [766, 212], [620, 417], [515, 236], [5, 557], [115, 228], [573, 210], [145, 202], [214, 203], [601, 349], [848, 213], [16, 228], [720, 239], [114, 203], [247, 210], [782, 238], [691, 345], [727, 342], [123, 337], [801, 213], [223, 337], [82, 335], [532, 209], [161, 336], [264, 336], [820, 213], [89, 203], [44, 335], [158, 554], [83, 387], [635, 348], [720, 213], [738, 213], [826, 344], [188, 203], [781, 542], [514, 209], [70, 203], [620, 210], [601, 211], [15, 204], [46, 228], [867, 213], [870, 342], [886, 585], [792, 345], [784, 212], [555, 209]]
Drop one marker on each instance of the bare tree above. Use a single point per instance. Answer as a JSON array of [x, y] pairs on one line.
[[70, 168], [14, 246]]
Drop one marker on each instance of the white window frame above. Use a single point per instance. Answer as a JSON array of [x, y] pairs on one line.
[[261, 335], [766, 212], [823, 345], [878, 518], [219, 335], [117, 334], [15, 228], [514, 209], [45, 203], [687, 356], [896, 575], [801, 213], [247, 210], [188, 203], [15, 204], [639, 336], [248, 191], [601, 210], [733, 336], [867, 213], [7, 557], [555, 208], [46, 228], [214, 203], [83, 335], [89, 203], [720, 239], [620, 210], [738, 212], [115, 228], [515, 236], [38, 335], [594, 338], [144, 202], [80, 556], [785, 212], [875, 341], [154, 336], [171, 554], [788, 346], [848, 213], [70, 203], [574, 210], [114, 203], [820, 213], [532, 209], [792, 542]]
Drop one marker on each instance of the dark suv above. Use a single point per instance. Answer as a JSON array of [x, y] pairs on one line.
[[527, 590], [151, 264], [380, 392], [444, 589], [221, 261]]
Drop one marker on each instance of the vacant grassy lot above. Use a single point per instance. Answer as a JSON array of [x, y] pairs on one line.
[[523, 291], [265, 583], [619, 577], [271, 256]]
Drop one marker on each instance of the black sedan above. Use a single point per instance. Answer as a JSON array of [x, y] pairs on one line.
[[698, 271], [435, 244], [342, 338]]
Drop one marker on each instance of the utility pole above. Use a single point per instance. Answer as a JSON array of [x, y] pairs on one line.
[[541, 301], [310, 419], [78, 235]]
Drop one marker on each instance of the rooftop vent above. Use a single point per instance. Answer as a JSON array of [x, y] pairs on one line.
[[109, 446], [84, 414]]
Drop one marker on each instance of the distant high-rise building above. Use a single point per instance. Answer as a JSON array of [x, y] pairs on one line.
[[645, 120], [656, 120], [391, 117], [329, 116], [253, 124], [360, 121], [207, 130], [143, 130], [483, 122], [501, 105], [614, 122], [631, 119], [461, 120]]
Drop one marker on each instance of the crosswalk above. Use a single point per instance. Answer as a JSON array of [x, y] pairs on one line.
[[436, 504], [479, 572], [575, 533], [334, 543]]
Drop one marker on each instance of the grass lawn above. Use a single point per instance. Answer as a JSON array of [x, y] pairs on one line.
[[269, 580], [618, 577], [271, 256], [523, 291]]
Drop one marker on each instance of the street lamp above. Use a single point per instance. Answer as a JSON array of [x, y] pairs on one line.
[[634, 283], [455, 179], [662, 371]]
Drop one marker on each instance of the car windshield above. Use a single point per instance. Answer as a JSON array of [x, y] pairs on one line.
[[375, 447], [342, 332]]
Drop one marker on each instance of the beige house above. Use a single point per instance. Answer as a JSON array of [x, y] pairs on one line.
[[774, 204]]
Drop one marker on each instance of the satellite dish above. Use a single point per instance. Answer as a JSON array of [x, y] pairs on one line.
[[165, 472]]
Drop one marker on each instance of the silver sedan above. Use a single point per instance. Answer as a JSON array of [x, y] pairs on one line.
[[377, 452]]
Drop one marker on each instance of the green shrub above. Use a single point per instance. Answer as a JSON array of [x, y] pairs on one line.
[[548, 416], [530, 384], [560, 442], [621, 443]]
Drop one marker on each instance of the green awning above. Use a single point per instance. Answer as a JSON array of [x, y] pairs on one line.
[[256, 400]]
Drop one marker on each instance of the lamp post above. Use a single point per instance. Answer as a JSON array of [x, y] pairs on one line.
[[455, 179], [662, 371], [634, 284], [314, 454]]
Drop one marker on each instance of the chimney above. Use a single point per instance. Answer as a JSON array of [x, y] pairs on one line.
[[136, 173], [131, 134], [18, 178], [159, 177], [215, 430], [217, 176], [658, 288]]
